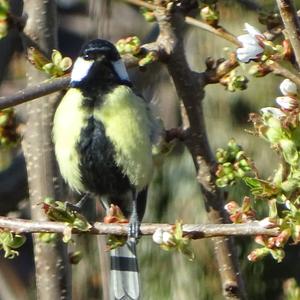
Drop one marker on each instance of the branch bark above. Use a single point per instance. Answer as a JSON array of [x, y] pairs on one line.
[[218, 31], [35, 91], [190, 88], [290, 19], [194, 231], [52, 274]]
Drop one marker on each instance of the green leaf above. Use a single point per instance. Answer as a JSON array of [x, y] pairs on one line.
[[273, 214], [277, 254], [289, 151], [56, 57], [37, 58], [295, 136], [49, 68], [261, 188], [114, 241], [65, 64], [10, 241], [47, 237]]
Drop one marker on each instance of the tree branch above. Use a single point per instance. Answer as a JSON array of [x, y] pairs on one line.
[[53, 277], [277, 69], [194, 231], [33, 92], [190, 88], [219, 31], [291, 22]]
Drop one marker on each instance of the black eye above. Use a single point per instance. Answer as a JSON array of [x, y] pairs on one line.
[[88, 55]]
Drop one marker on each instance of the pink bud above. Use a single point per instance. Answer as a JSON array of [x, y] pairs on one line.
[[231, 206]]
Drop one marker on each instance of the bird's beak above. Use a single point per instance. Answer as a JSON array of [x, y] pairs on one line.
[[120, 69]]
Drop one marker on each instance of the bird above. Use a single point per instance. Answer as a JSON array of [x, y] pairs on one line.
[[104, 133]]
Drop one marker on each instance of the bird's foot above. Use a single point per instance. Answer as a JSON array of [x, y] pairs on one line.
[[134, 229], [79, 205]]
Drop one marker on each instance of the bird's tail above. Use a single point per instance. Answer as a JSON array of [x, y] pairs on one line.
[[125, 282]]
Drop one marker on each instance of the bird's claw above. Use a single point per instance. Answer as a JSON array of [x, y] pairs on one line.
[[134, 230]]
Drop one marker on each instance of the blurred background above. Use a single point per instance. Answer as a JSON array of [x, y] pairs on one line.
[[174, 193]]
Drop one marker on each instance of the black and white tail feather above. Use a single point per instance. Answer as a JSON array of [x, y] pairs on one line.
[[124, 270], [125, 282]]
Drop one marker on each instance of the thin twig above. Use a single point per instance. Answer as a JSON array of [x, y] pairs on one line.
[[291, 22], [195, 231], [277, 69], [219, 31]]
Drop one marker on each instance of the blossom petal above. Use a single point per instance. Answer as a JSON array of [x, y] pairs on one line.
[[287, 102], [245, 54], [288, 88], [253, 31], [275, 112], [158, 236], [247, 39]]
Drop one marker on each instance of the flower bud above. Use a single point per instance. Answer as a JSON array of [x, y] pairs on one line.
[[167, 237], [288, 88], [157, 236], [267, 223], [282, 238], [287, 102], [259, 70], [231, 207], [252, 47], [273, 111], [289, 185], [258, 254], [260, 239], [289, 151], [209, 15]]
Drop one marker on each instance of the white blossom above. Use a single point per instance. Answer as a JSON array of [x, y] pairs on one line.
[[273, 111], [167, 237], [287, 102], [288, 88], [158, 236], [252, 47]]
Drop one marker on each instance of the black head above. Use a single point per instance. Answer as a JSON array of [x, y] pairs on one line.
[[99, 50], [98, 67]]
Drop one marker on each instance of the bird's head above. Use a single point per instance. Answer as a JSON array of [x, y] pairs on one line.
[[99, 65]]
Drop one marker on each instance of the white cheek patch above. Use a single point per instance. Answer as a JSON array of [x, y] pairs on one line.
[[120, 69], [81, 69]]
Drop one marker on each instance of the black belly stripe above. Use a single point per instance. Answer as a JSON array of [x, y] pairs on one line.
[[100, 174]]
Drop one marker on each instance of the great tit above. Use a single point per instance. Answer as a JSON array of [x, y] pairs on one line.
[[103, 135]]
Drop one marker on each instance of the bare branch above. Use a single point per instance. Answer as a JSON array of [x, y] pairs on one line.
[[291, 22], [53, 277], [33, 92], [277, 69], [219, 31], [190, 88], [194, 231]]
